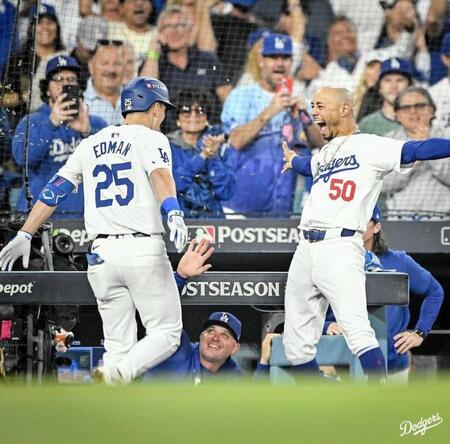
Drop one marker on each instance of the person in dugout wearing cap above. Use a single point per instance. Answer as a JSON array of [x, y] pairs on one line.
[[211, 357], [56, 128]]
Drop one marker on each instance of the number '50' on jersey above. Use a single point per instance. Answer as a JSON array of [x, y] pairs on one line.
[[348, 177]]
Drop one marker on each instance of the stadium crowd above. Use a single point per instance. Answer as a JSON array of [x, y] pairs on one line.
[[242, 73]]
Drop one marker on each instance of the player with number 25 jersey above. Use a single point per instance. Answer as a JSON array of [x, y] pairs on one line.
[[127, 176]]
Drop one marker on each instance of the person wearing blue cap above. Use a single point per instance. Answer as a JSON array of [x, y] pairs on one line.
[[258, 117], [211, 357], [440, 91], [421, 283], [395, 75], [55, 130]]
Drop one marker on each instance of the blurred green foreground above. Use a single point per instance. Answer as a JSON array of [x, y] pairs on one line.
[[242, 412]]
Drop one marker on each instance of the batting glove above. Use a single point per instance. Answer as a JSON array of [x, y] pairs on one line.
[[20, 246], [178, 229]]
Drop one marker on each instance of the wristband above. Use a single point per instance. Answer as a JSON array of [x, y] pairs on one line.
[[170, 204], [420, 333], [180, 280], [25, 234], [153, 55]]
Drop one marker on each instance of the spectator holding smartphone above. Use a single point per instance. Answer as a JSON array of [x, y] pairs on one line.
[[44, 140]]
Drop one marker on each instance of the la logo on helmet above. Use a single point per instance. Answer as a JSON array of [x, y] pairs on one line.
[[224, 317]]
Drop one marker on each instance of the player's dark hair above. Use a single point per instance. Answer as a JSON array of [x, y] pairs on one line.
[[380, 244], [189, 97]]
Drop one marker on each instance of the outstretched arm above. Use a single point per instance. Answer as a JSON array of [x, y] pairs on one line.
[[429, 149], [56, 190], [20, 246]]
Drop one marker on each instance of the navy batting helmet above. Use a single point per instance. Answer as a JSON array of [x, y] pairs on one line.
[[141, 93]]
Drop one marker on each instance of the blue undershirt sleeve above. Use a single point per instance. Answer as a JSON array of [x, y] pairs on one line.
[[429, 149], [422, 283], [302, 165]]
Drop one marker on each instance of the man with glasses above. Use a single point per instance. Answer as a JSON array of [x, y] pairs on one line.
[[107, 68], [183, 67], [425, 189], [45, 139]]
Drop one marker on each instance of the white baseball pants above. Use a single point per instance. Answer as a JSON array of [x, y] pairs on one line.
[[322, 273], [136, 275]]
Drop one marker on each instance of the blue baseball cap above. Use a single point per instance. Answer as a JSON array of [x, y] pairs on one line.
[[256, 35], [44, 10], [398, 66], [277, 44], [59, 63], [226, 320], [376, 215], [445, 47]]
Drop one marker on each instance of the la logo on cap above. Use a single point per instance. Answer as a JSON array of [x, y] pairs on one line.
[[279, 43], [395, 64], [224, 317], [62, 61]]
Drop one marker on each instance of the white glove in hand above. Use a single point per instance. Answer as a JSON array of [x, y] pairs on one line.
[[19, 247], [178, 229]]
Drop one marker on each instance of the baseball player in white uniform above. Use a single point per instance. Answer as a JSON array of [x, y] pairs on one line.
[[126, 171], [328, 265]]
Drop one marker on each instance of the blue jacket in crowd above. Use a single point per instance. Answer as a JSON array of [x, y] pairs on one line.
[[49, 149], [201, 184], [260, 186], [421, 283]]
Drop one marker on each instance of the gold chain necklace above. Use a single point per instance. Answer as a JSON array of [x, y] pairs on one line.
[[333, 155]]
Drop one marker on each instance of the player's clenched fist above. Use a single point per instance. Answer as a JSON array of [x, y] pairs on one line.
[[19, 247], [178, 229]]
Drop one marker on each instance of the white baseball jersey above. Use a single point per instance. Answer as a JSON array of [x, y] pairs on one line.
[[347, 180], [114, 165]]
